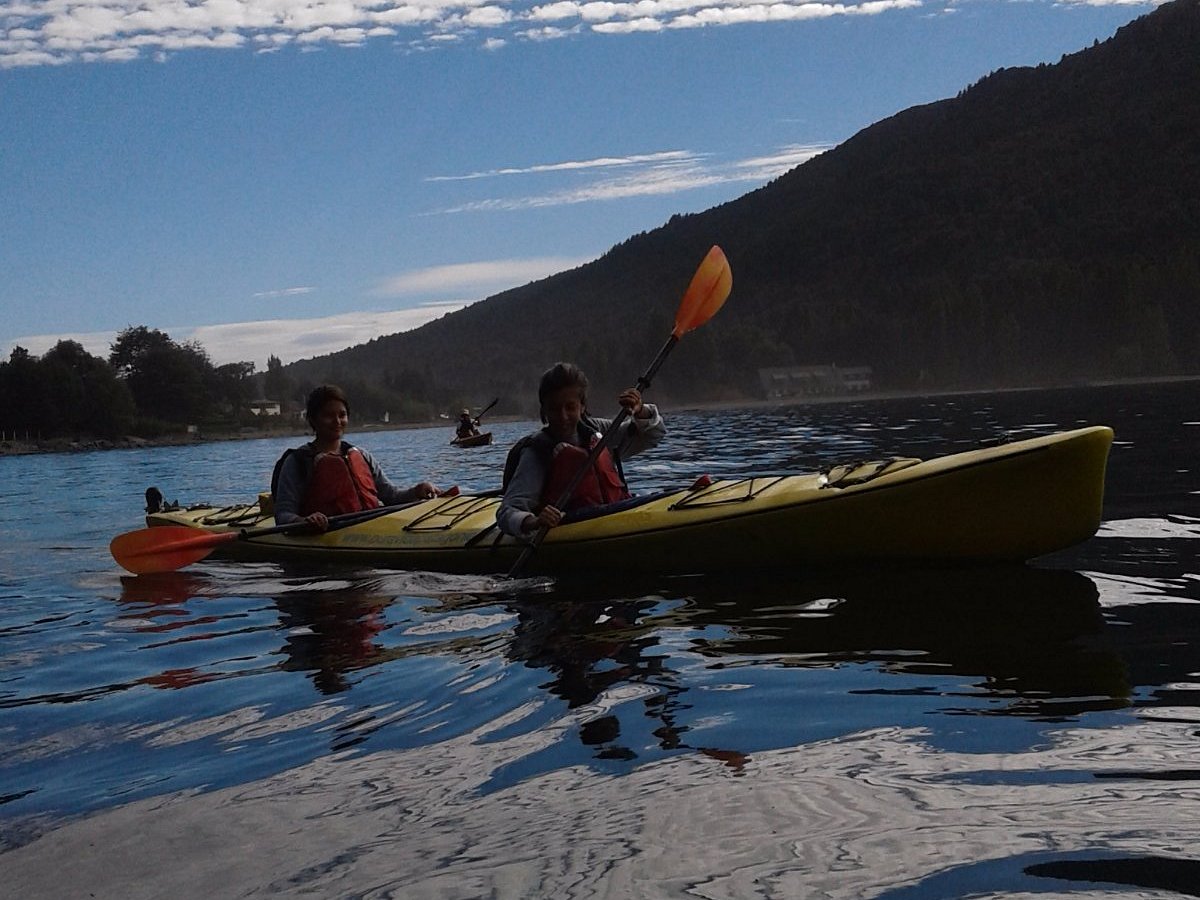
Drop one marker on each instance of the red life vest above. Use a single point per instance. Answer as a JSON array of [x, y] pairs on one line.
[[602, 483], [340, 483]]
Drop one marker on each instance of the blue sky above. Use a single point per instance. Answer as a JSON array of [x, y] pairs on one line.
[[291, 178]]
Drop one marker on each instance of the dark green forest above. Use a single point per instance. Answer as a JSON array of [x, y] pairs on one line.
[[153, 386], [1040, 228], [150, 385]]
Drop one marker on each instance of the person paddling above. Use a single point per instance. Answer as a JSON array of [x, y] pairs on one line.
[[467, 427], [329, 476], [541, 465]]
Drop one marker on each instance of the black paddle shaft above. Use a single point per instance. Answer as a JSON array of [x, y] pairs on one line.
[[485, 409], [342, 520]]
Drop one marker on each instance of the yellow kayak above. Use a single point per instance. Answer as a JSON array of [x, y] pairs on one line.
[[1006, 503]]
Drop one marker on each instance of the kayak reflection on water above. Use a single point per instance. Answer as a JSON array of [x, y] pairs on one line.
[[1035, 638]]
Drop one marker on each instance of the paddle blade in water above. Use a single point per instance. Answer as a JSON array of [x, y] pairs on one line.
[[706, 294], [165, 548]]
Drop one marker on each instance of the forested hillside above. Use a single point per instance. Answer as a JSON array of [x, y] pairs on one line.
[[1042, 227]]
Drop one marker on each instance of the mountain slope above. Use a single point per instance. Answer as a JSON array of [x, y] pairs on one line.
[[1041, 227]]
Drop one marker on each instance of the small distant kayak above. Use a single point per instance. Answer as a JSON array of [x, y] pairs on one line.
[[475, 440], [1004, 503]]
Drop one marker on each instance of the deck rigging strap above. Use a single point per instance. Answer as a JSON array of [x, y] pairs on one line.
[[720, 493], [446, 515], [241, 514], [850, 474]]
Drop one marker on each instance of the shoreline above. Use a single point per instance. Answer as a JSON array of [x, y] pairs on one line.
[[134, 442]]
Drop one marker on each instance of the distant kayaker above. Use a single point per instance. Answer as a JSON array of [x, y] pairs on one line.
[[329, 476], [467, 427], [541, 465]]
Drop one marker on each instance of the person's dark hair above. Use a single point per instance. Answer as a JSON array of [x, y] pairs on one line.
[[319, 397], [558, 376]]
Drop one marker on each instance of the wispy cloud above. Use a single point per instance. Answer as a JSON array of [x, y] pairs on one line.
[[285, 292], [289, 339], [606, 162], [481, 278], [669, 172], [57, 32], [292, 339]]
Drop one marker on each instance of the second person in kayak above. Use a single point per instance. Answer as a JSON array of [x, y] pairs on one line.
[[541, 465], [329, 476]]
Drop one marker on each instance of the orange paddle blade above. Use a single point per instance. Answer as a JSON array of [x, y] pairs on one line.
[[165, 548], [706, 294]]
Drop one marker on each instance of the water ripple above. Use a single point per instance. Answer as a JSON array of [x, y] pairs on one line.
[[853, 733]]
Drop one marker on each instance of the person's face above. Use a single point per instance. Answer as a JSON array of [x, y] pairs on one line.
[[330, 423], [563, 409]]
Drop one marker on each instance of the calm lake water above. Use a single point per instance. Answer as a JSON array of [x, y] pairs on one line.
[[244, 730]]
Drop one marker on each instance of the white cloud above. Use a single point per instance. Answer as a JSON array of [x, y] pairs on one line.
[[285, 292], [659, 174], [50, 32], [575, 165], [292, 339], [765, 168], [97, 343], [487, 17], [482, 278], [739, 14], [289, 339], [553, 12], [547, 33], [630, 27]]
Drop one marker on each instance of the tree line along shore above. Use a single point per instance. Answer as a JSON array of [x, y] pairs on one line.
[[152, 390]]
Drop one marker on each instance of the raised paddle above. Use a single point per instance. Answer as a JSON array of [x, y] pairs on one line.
[[485, 409], [706, 294], [165, 548]]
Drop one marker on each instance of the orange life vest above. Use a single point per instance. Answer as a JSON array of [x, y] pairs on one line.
[[602, 483], [340, 483]]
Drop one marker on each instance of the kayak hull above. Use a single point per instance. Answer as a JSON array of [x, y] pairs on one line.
[[475, 440], [1008, 503]]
